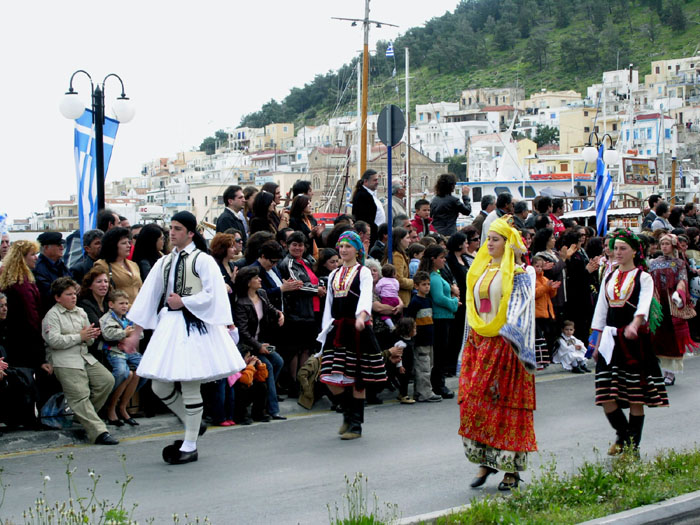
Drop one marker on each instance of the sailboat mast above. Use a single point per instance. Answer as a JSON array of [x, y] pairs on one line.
[[358, 124], [365, 83]]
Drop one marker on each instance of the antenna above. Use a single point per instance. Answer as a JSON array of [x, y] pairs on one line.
[[366, 21]]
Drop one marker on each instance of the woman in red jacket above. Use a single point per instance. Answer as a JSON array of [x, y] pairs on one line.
[[24, 313]]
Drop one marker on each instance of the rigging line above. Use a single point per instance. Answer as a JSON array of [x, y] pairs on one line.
[[496, 132]]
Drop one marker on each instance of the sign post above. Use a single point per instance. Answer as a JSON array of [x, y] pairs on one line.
[[390, 127]]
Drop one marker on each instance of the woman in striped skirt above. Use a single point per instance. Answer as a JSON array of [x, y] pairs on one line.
[[627, 371], [351, 356]]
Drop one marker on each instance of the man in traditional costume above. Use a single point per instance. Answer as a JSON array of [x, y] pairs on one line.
[[496, 383], [184, 300]]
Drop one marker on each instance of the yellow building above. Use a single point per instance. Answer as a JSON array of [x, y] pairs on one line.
[[549, 99], [62, 216], [525, 148], [272, 136], [575, 126]]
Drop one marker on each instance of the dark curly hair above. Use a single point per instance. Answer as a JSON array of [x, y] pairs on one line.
[[445, 184], [110, 241]]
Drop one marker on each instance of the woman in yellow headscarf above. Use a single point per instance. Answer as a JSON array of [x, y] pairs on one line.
[[496, 383]]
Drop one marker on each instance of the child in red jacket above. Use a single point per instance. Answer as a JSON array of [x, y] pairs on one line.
[[422, 222]]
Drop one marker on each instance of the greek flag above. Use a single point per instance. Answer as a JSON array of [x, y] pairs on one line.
[[603, 194], [390, 50], [85, 168]]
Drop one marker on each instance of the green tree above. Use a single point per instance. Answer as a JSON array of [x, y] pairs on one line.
[[546, 135], [458, 166], [652, 28], [221, 137], [537, 49], [527, 19], [504, 38], [562, 15], [614, 49], [676, 18], [208, 145]]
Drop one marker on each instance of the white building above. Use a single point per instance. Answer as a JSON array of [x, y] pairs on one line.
[[651, 134]]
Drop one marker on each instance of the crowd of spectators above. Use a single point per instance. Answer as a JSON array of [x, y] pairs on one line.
[[275, 261]]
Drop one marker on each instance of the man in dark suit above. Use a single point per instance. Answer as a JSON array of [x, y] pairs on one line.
[[92, 244], [49, 266], [232, 216], [366, 206], [488, 204]]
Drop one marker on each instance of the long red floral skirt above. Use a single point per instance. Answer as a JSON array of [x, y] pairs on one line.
[[496, 396]]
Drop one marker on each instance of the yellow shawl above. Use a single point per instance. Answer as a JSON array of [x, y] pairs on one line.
[[501, 226]]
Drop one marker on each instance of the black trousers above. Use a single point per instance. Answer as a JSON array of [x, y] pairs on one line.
[[441, 340], [454, 346], [245, 396]]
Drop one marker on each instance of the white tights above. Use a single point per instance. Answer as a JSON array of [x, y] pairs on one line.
[[186, 404]]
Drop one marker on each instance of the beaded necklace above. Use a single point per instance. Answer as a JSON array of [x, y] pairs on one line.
[[343, 280], [621, 293]]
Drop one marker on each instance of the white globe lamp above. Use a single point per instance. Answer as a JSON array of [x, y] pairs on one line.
[[611, 157], [71, 106], [123, 109], [589, 154]]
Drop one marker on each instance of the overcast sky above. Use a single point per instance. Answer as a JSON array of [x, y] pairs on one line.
[[190, 68]]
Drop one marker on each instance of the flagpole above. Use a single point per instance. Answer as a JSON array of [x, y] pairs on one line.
[[408, 141]]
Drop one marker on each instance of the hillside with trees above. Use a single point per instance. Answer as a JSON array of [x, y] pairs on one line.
[[533, 44]]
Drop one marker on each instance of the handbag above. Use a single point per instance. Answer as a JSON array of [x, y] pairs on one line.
[[687, 312]]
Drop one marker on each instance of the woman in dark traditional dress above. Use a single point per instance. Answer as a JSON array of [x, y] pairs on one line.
[[672, 338], [351, 357], [627, 371]]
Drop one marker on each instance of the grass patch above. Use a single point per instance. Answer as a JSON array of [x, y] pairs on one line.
[[359, 507], [596, 489]]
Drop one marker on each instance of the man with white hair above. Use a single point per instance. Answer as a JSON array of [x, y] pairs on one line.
[[4, 245], [398, 193]]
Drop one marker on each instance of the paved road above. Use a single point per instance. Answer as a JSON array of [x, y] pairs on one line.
[[288, 472]]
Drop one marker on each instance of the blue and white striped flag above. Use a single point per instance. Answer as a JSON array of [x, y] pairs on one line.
[[390, 50], [603, 194], [85, 168]]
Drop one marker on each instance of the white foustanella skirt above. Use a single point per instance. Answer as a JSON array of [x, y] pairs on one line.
[[173, 355]]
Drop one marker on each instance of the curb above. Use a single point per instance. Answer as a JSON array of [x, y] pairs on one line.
[[431, 517], [678, 510], [681, 510]]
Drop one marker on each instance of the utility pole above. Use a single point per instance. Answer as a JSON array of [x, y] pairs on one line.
[[365, 77], [408, 142]]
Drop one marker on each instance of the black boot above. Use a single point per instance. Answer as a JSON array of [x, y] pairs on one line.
[[635, 432], [345, 403], [619, 422], [357, 417]]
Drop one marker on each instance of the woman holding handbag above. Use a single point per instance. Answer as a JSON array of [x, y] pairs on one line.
[[672, 338]]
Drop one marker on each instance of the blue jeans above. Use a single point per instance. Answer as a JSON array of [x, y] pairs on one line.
[[121, 364], [223, 401], [274, 363]]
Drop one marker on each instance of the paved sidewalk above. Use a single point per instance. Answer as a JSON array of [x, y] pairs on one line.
[[17, 441]]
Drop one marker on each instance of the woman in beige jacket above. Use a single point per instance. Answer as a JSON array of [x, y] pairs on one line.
[[400, 241]]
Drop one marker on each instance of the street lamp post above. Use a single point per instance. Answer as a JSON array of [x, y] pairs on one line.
[[72, 108], [590, 151]]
